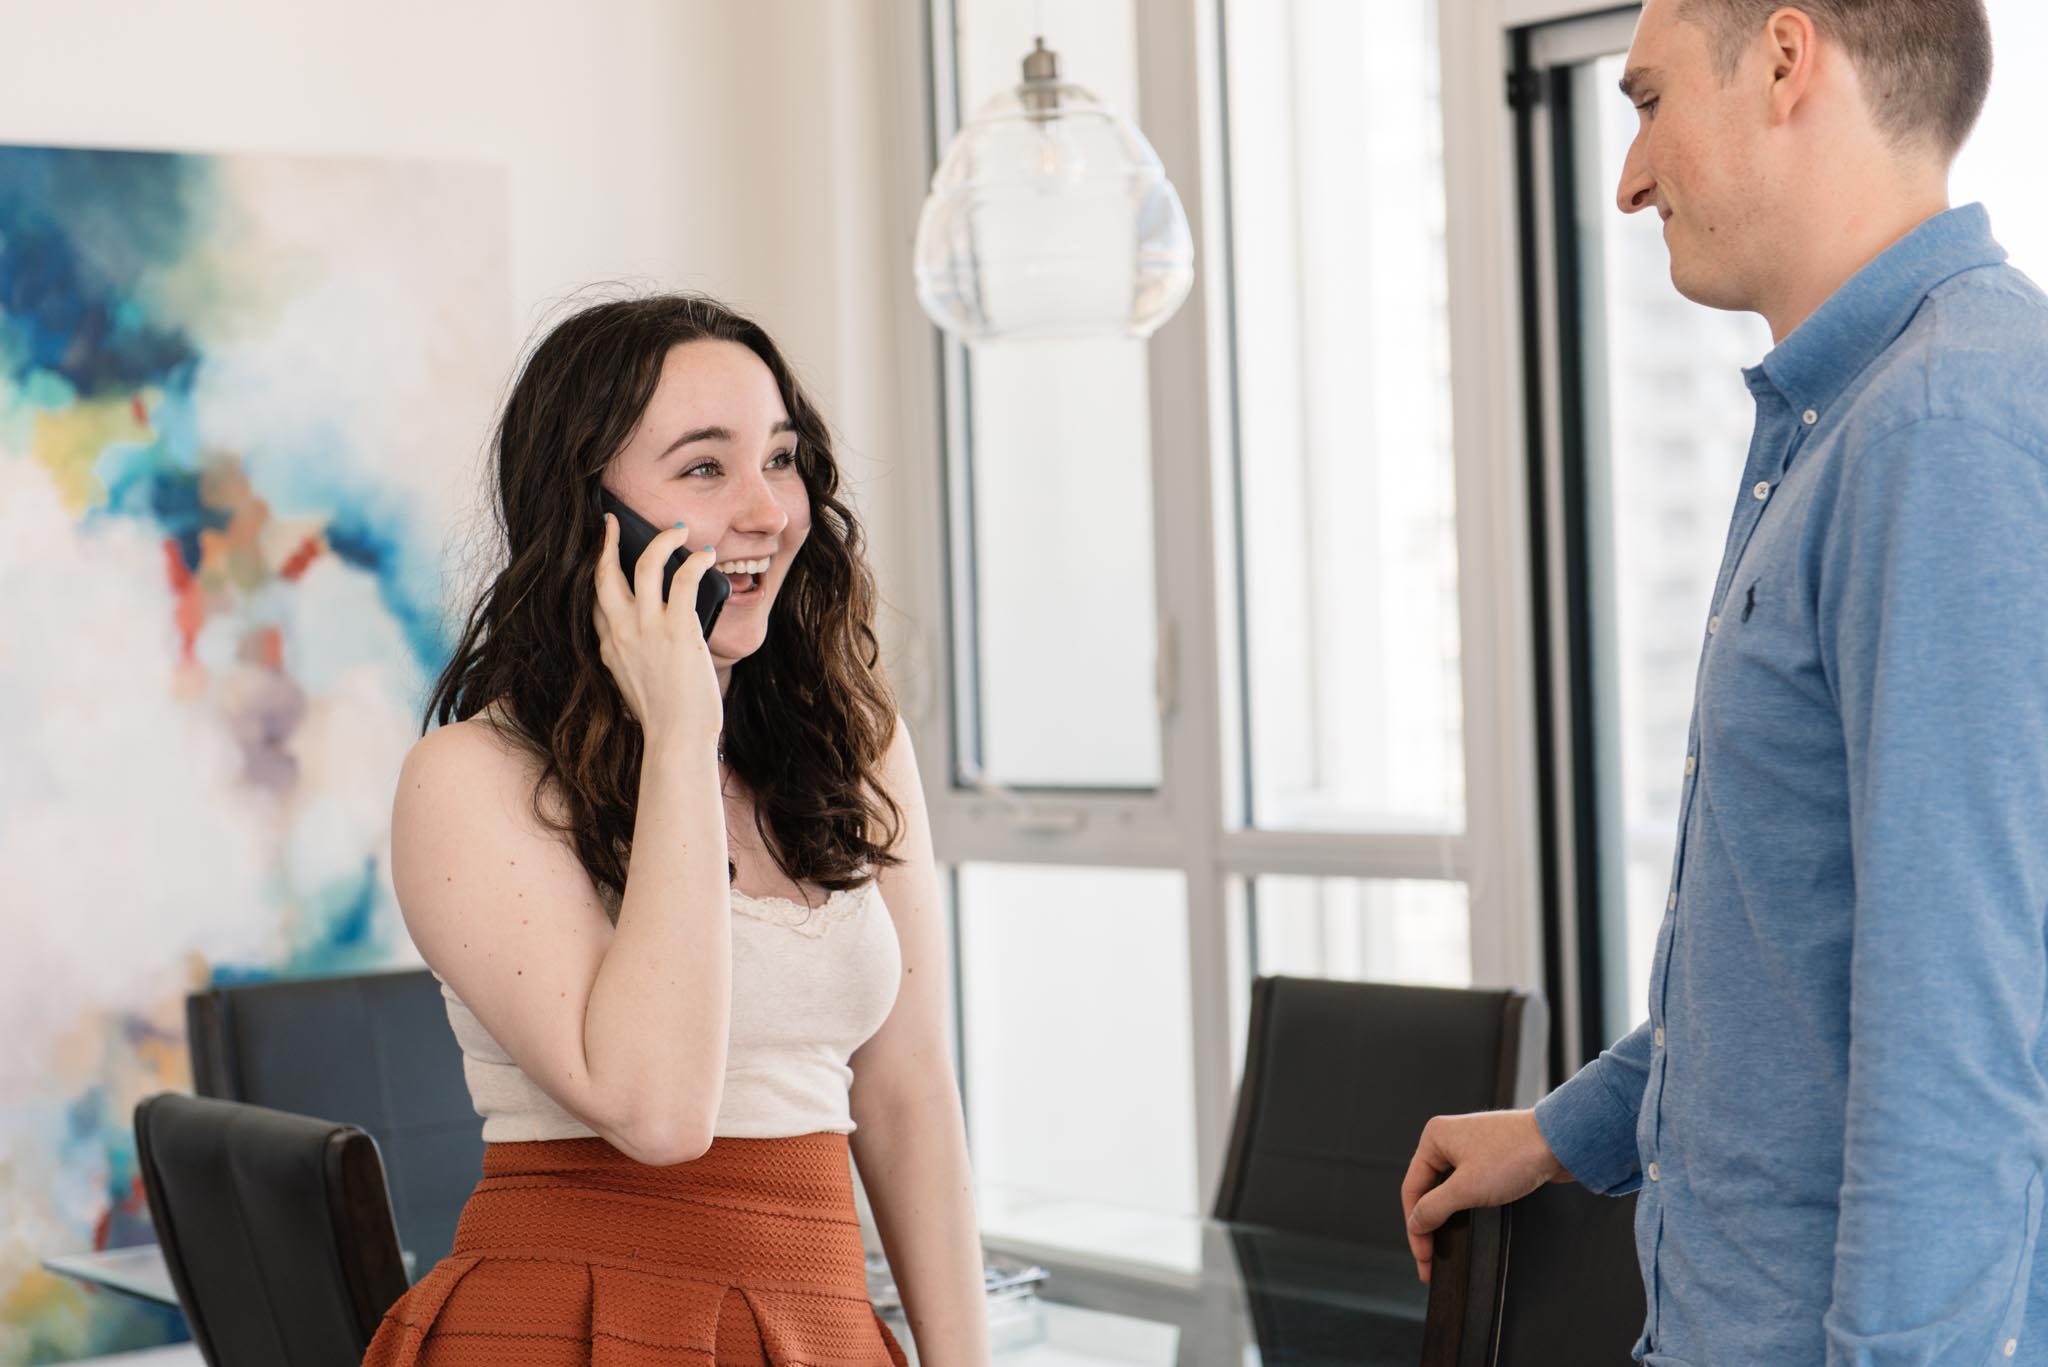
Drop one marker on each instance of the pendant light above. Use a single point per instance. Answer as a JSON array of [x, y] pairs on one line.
[[1050, 217]]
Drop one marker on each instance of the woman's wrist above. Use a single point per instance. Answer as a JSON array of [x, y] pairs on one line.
[[687, 747]]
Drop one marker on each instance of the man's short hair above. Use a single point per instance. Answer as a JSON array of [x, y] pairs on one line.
[[1925, 65]]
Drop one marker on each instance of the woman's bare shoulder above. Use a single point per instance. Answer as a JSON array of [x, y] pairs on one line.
[[490, 737], [466, 837], [466, 760]]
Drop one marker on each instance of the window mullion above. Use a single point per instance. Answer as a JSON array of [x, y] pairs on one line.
[[1318, 854], [1177, 66], [1489, 452]]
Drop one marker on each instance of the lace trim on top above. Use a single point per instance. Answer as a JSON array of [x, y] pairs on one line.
[[811, 922]]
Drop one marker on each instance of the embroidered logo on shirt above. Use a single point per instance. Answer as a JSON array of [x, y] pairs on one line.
[[1749, 607]]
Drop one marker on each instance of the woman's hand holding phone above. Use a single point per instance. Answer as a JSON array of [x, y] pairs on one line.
[[655, 649]]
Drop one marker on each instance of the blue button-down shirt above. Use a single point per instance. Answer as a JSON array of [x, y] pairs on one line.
[[1837, 1113]]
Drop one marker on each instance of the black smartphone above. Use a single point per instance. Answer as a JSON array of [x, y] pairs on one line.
[[635, 532]]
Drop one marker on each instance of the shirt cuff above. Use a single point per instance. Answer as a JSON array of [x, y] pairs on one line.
[[1592, 1132]]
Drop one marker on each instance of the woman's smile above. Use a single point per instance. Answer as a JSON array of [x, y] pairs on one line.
[[749, 578]]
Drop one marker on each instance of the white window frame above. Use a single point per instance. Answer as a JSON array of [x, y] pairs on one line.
[[1192, 823]]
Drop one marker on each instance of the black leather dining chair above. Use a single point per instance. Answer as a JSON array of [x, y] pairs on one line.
[[1340, 1078], [1549, 1281], [371, 1049], [276, 1229]]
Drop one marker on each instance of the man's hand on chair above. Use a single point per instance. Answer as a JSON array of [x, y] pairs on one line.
[[1487, 1159]]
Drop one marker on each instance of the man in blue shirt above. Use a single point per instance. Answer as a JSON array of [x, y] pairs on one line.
[[1836, 1115]]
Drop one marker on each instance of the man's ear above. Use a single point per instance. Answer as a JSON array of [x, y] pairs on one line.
[[1791, 46]]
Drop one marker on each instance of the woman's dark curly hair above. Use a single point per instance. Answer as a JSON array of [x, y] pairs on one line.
[[808, 717]]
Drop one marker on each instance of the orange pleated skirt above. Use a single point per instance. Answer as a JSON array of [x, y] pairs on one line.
[[570, 1253]]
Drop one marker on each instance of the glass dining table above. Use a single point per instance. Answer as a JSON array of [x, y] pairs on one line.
[[1229, 1296], [1239, 1295]]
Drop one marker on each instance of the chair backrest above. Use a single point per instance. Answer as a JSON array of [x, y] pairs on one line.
[[1550, 1281], [1340, 1078], [276, 1230], [374, 1050]]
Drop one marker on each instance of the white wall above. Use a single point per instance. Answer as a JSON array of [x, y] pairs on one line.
[[770, 152], [757, 149]]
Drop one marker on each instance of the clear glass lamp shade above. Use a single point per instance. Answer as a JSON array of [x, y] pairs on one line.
[[1051, 217]]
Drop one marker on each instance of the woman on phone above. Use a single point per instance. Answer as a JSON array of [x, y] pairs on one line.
[[680, 893]]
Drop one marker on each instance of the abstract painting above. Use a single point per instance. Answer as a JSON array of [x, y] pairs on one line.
[[243, 402]]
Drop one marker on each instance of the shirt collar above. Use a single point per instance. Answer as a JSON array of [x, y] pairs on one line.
[[1812, 367]]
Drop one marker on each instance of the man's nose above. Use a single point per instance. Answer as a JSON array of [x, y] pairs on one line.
[[1638, 189]]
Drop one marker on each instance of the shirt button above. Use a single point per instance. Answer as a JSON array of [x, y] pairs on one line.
[[1809, 417], [1762, 490], [1655, 1178], [1660, 1037], [1713, 624], [1691, 764], [1671, 902], [2011, 1346]]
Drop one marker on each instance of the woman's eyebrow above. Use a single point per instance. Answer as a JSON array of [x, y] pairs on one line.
[[719, 434], [699, 434]]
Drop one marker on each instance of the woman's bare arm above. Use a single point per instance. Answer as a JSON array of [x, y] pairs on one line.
[[909, 1139], [625, 1029]]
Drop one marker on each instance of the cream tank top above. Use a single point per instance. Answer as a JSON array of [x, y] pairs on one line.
[[809, 986]]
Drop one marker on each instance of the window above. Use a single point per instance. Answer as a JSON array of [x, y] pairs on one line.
[[1209, 700], [1064, 604], [1343, 391], [1363, 930], [1078, 1053], [1058, 632]]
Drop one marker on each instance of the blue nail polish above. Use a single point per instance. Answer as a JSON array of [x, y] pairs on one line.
[[679, 524], [709, 548]]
